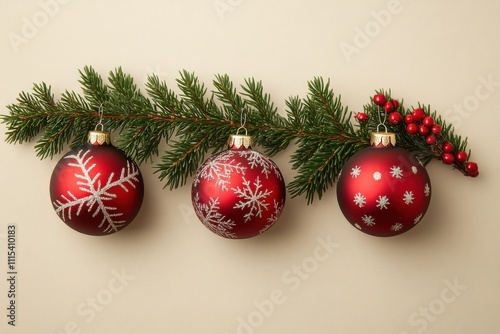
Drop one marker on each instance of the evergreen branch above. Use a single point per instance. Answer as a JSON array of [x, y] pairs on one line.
[[195, 123]]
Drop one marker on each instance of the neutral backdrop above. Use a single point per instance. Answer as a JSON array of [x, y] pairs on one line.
[[166, 273]]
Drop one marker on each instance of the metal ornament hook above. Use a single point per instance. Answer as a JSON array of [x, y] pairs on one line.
[[243, 121], [382, 122], [385, 127], [101, 115]]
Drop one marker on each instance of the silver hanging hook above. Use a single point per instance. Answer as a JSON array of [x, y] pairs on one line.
[[101, 114], [243, 121], [382, 122]]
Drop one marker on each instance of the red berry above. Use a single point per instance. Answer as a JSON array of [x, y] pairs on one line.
[[379, 99], [428, 121], [396, 104], [448, 158], [395, 117], [418, 114], [408, 119], [412, 128], [423, 130], [471, 168], [436, 129], [362, 117], [447, 147], [461, 156], [474, 175], [388, 106], [430, 139]]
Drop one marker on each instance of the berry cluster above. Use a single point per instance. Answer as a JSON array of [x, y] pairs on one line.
[[417, 122]]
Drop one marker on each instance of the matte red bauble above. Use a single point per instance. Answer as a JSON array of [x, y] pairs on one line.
[[383, 190], [238, 193], [95, 188]]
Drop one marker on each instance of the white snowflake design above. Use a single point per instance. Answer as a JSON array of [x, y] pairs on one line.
[[98, 194], [427, 190], [278, 208], [408, 197], [377, 176], [211, 217], [396, 172], [382, 202], [220, 169], [368, 220], [355, 172], [418, 218], [357, 226], [414, 169], [359, 200], [251, 198], [396, 227], [258, 160]]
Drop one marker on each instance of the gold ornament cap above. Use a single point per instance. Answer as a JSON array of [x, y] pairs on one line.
[[238, 141], [99, 137], [383, 139]]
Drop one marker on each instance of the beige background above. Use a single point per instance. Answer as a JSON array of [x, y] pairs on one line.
[[176, 276]]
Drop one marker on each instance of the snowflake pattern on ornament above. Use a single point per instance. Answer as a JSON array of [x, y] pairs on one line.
[[258, 160], [396, 227], [355, 172], [408, 197], [377, 176], [220, 170], [414, 169], [278, 208], [98, 194], [382, 202], [418, 218], [368, 220], [396, 172], [427, 190], [211, 217], [359, 200], [252, 198]]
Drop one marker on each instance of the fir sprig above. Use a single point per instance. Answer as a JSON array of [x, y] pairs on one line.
[[194, 122]]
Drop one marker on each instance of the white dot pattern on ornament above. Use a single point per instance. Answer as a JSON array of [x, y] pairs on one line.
[[97, 194], [383, 201]]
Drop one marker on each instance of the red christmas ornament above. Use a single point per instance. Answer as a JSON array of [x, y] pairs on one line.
[[95, 188], [383, 190], [238, 193]]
